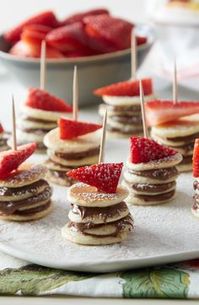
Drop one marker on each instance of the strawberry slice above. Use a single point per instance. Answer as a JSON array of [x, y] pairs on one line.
[[143, 150], [1, 128], [11, 159], [104, 176], [141, 40], [45, 18], [70, 129], [24, 49], [196, 159], [160, 111], [35, 33], [108, 32], [68, 38], [81, 16], [126, 88], [41, 99]]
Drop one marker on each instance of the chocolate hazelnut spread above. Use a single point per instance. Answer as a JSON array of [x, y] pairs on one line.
[[161, 174], [122, 130], [186, 160], [133, 108], [188, 138], [153, 188], [102, 213], [196, 185], [11, 206], [134, 119], [36, 131], [31, 189], [120, 225], [159, 197], [28, 118], [78, 155]]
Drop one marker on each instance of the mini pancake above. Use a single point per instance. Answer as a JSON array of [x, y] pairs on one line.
[[59, 178], [25, 176], [184, 167], [28, 124], [72, 163], [82, 239], [24, 192], [180, 128], [161, 163], [152, 200], [150, 189], [119, 110], [133, 178], [43, 114], [124, 100], [96, 215], [82, 143], [88, 196], [23, 218], [56, 167], [123, 127]]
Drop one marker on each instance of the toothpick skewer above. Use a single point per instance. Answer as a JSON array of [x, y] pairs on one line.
[[103, 138], [175, 84], [14, 138], [145, 129], [75, 94], [43, 65], [133, 55]]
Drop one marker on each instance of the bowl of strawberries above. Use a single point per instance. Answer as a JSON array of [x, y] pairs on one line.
[[97, 42]]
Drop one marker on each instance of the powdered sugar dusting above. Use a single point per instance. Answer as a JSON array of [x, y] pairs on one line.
[[160, 231]]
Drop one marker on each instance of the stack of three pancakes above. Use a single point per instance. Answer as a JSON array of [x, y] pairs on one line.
[[25, 195], [64, 155], [179, 135], [153, 182], [97, 218]]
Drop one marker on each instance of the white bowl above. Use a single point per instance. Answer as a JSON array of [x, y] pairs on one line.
[[93, 71]]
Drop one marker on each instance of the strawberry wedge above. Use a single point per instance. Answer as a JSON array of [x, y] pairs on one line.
[[196, 159], [104, 176], [126, 88], [41, 99], [11, 159], [162, 111], [70, 129]]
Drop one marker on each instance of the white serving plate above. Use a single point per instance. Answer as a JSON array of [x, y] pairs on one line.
[[163, 234]]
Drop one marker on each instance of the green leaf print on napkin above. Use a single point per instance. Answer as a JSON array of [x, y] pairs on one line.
[[155, 283], [33, 280]]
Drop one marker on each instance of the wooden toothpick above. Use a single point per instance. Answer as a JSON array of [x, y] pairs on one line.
[[145, 129], [75, 94], [175, 83], [133, 55], [43, 65], [14, 137], [103, 138]]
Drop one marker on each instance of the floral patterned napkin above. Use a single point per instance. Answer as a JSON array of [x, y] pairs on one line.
[[170, 281]]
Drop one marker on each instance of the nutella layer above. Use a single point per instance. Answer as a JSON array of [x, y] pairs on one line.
[[152, 188], [36, 130], [189, 138], [125, 132], [162, 174], [31, 211], [27, 190], [127, 119], [186, 160], [124, 108], [31, 119], [152, 198], [10, 207], [78, 155], [97, 212], [120, 225]]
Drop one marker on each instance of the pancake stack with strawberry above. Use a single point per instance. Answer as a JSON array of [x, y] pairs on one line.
[[98, 214], [72, 144], [122, 101], [24, 193], [151, 172], [172, 125], [40, 113], [195, 207], [3, 139]]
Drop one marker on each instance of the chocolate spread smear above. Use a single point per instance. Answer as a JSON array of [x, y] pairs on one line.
[[161, 174], [78, 155]]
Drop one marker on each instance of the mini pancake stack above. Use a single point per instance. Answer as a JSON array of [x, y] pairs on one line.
[[173, 125], [24, 194], [122, 102], [151, 172], [69, 146], [195, 207], [39, 115], [98, 217]]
